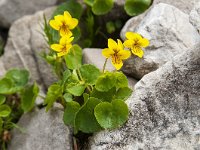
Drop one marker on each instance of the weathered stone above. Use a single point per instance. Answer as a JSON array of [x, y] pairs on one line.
[[2, 69], [169, 32], [24, 45], [94, 56], [195, 16], [43, 131], [11, 10], [164, 110]]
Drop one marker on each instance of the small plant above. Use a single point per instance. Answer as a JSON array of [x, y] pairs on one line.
[[93, 99], [16, 98]]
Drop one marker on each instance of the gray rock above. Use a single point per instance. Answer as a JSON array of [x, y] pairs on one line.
[[195, 16], [24, 45], [169, 32], [184, 5], [11, 10], [43, 131], [2, 69], [164, 110]]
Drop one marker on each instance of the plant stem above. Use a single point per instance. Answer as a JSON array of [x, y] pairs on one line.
[[104, 66], [81, 78]]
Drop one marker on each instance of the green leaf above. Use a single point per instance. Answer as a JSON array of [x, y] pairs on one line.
[[123, 93], [110, 27], [68, 97], [2, 99], [121, 80], [6, 86], [54, 92], [89, 2], [74, 58], [1, 124], [85, 97], [29, 96], [111, 115], [85, 119], [89, 73], [76, 34], [136, 7], [76, 90], [4, 110], [101, 7], [105, 82], [66, 75], [70, 113], [73, 7], [104, 96], [19, 77]]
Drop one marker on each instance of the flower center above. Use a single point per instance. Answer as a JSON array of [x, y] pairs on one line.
[[115, 59]]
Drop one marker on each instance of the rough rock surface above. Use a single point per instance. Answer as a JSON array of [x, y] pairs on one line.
[[11, 10], [169, 32], [164, 110], [94, 56], [2, 69], [195, 16], [184, 5], [43, 131], [24, 45]]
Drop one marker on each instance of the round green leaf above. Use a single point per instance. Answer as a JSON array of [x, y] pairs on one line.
[[121, 80], [123, 93], [6, 86], [85, 119], [4, 110], [136, 7], [89, 2], [76, 90], [29, 96], [2, 99], [67, 97], [70, 113], [19, 77], [105, 82], [110, 27], [101, 7], [89, 73], [111, 115]]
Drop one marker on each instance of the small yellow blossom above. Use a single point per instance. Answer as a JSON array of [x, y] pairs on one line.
[[116, 52], [64, 23], [64, 45], [135, 42]]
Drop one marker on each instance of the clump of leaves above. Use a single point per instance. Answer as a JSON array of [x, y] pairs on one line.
[[16, 97]]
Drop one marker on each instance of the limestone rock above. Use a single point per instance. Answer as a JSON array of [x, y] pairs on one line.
[[195, 16], [2, 69], [11, 10], [24, 45], [169, 32], [164, 110], [43, 131]]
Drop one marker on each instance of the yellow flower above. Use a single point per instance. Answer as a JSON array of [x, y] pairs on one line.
[[135, 42], [64, 45], [116, 52], [64, 23]]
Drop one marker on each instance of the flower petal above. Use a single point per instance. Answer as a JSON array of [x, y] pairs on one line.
[[117, 63], [66, 40], [129, 43], [59, 19], [73, 23], [137, 51], [106, 52], [124, 54], [62, 53], [54, 24], [112, 44], [57, 47], [120, 45], [133, 36], [67, 15], [65, 31], [144, 42]]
